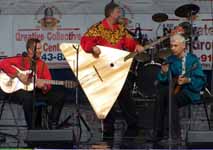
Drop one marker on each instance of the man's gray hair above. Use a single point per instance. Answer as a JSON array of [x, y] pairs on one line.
[[178, 37]]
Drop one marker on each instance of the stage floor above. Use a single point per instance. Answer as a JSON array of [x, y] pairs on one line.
[[90, 138]]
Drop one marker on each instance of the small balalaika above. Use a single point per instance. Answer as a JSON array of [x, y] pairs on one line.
[[10, 85]]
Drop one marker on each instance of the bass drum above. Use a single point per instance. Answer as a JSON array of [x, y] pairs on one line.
[[147, 79]]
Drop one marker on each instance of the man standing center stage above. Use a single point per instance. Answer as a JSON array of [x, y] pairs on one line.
[[110, 33]]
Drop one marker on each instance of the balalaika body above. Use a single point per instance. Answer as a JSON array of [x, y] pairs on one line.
[[10, 85]]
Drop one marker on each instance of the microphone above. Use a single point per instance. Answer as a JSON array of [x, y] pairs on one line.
[[138, 34], [167, 62], [24, 54]]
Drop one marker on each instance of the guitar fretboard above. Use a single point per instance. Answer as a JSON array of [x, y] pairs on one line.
[[133, 54], [53, 82]]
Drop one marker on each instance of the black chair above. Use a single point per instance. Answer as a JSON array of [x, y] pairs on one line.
[[40, 116], [201, 138], [206, 98], [6, 99]]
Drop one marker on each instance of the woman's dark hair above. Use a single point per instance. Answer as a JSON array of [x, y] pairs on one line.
[[31, 43]]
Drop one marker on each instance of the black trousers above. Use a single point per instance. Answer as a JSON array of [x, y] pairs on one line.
[[55, 99], [161, 112], [128, 108]]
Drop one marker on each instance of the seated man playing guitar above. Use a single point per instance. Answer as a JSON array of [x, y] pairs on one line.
[[190, 79], [15, 67]]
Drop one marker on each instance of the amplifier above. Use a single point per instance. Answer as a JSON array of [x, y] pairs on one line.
[[199, 139]]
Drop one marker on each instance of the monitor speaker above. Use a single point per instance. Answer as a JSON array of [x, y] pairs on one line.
[[199, 139], [50, 138]]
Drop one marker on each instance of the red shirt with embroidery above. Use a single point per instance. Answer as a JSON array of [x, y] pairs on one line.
[[102, 34], [24, 63]]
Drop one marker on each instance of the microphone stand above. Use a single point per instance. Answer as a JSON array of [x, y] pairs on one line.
[[33, 67], [79, 117], [170, 110]]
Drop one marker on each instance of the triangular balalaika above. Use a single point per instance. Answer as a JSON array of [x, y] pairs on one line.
[[101, 79]]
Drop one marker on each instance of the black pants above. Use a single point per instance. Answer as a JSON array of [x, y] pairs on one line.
[[128, 108], [26, 99], [161, 112]]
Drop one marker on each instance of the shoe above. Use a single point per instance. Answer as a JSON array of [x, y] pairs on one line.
[[54, 125], [108, 137], [167, 142], [155, 137]]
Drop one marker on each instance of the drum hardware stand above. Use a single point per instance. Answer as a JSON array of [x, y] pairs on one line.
[[159, 18], [135, 90], [188, 11], [152, 61]]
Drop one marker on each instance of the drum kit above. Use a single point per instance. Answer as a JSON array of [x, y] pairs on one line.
[[146, 66]]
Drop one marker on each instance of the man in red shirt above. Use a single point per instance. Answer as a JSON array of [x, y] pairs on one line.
[[111, 33], [24, 97]]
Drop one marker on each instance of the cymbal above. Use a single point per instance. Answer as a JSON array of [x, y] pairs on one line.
[[160, 17], [187, 10]]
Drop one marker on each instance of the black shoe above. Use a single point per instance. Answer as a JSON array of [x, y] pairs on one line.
[[54, 125], [108, 137], [155, 137], [108, 133], [172, 142]]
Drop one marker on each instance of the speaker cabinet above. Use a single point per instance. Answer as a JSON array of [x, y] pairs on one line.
[[50, 139], [199, 139]]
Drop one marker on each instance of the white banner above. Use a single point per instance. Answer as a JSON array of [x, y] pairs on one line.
[[15, 30]]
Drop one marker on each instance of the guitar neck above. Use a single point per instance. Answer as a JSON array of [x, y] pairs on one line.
[[133, 54], [194, 66], [52, 82]]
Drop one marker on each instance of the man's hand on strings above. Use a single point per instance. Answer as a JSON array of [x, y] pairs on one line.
[[139, 48], [23, 78], [182, 80], [40, 84], [96, 51], [164, 68]]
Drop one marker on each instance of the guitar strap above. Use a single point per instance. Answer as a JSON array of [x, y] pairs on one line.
[[23, 63], [183, 65]]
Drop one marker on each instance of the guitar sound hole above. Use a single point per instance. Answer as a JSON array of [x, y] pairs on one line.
[[111, 65]]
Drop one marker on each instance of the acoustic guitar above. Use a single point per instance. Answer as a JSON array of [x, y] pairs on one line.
[[10, 85], [177, 87]]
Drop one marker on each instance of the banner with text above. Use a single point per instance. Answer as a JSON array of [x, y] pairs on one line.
[[69, 28]]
